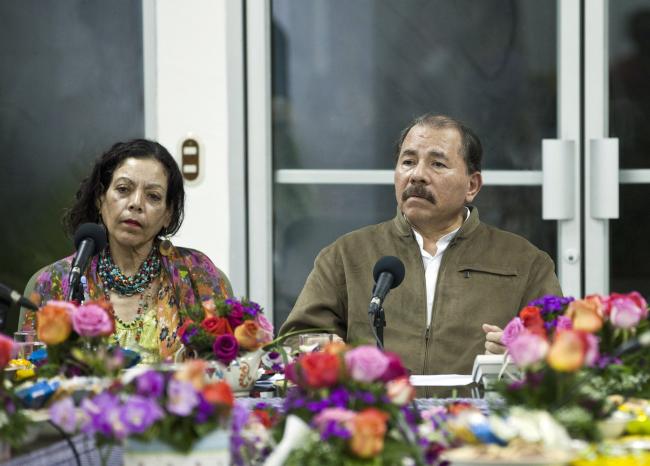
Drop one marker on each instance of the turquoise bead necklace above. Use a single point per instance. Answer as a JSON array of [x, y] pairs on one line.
[[114, 279]]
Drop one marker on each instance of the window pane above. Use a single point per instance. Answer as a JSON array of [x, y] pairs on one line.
[[629, 99], [349, 75], [71, 84], [629, 235], [308, 218]]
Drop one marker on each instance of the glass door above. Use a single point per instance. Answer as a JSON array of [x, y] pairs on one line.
[[331, 83], [617, 140]]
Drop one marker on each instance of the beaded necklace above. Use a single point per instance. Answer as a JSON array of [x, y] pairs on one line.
[[114, 279], [137, 323]]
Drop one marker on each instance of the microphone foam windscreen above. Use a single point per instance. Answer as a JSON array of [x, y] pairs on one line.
[[93, 231], [392, 265]]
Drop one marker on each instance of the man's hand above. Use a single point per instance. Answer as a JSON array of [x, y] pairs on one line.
[[493, 336]]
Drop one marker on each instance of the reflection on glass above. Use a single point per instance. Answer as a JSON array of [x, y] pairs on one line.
[[71, 84], [629, 97], [348, 75], [629, 251], [311, 217]]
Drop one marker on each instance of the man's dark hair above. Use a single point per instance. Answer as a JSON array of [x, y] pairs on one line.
[[94, 186], [471, 148]]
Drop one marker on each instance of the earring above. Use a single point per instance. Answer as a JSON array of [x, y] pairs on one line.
[[165, 246]]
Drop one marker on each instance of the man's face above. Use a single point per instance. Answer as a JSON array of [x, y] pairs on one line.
[[431, 180]]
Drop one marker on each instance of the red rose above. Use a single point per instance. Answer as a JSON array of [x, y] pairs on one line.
[[218, 393], [320, 369], [216, 326], [531, 317], [183, 328]]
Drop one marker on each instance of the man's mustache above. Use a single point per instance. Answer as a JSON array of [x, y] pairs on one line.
[[418, 190]]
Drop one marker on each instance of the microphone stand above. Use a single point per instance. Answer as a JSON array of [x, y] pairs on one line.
[[4, 311], [376, 313]]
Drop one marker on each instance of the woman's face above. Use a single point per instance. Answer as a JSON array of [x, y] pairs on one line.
[[134, 207]]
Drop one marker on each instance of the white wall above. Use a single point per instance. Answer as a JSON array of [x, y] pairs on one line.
[[186, 94]]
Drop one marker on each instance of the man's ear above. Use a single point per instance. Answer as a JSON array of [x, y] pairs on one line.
[[474, 186]]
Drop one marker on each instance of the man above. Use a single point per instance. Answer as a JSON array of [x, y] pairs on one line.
[[464, 279]]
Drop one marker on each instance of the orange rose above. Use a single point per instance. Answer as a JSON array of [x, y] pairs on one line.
[[249, 335], [368, 430], [54, 322], [586, 314], [218, 393], [335, 348], [567, 353], [193, 372]]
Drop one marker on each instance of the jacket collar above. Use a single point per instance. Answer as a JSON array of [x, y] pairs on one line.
[[404, 228]]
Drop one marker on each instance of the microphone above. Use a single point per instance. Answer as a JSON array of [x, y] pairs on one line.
[[89, 239], [633, 345], [388, 273], [10, 296]]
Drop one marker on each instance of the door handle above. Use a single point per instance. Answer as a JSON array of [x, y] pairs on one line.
[[558, 182], [603, 176]]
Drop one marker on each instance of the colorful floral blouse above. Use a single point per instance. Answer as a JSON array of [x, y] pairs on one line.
[[188, 277]]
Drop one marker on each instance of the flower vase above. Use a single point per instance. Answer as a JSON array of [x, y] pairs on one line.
[[213, 449], [242, 373]]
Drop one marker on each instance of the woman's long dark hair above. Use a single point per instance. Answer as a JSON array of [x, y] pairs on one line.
[[94, 186]]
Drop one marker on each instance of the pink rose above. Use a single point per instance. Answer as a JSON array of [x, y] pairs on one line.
[[340, 416], [528, 349], [400, 391], [563, 323], [626, 311], [592, 352], [395, 367], [266, 327], [366, 363], [92, 320], [512, 330]]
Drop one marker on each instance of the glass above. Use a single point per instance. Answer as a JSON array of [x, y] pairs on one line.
[[629, 252], [629, 80], [71, 80], [25, 343], [348, 76], [310, 342], [309, 217]]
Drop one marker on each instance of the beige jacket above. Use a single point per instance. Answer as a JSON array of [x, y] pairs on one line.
[[486, 276]]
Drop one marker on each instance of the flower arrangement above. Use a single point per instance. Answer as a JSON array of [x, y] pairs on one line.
[[177, 408], [78, 339], [568, 351], [357, 401], [251, 439], [13, 423], [225, 329]]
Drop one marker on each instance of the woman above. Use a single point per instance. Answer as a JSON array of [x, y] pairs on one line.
[[136, 191]]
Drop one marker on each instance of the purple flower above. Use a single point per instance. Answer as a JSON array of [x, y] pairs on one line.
[[204, 410], [225, 348], [366, 363], [189, 333], [139, 413], [236, 317], [103, 412], [332, 422], [339, 397], [151, 384], [181, 397], [63, 414], [92, 320], [551, 304], [563, 323]]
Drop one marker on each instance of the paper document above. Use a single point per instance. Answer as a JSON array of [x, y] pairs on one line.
[[442, 380]]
